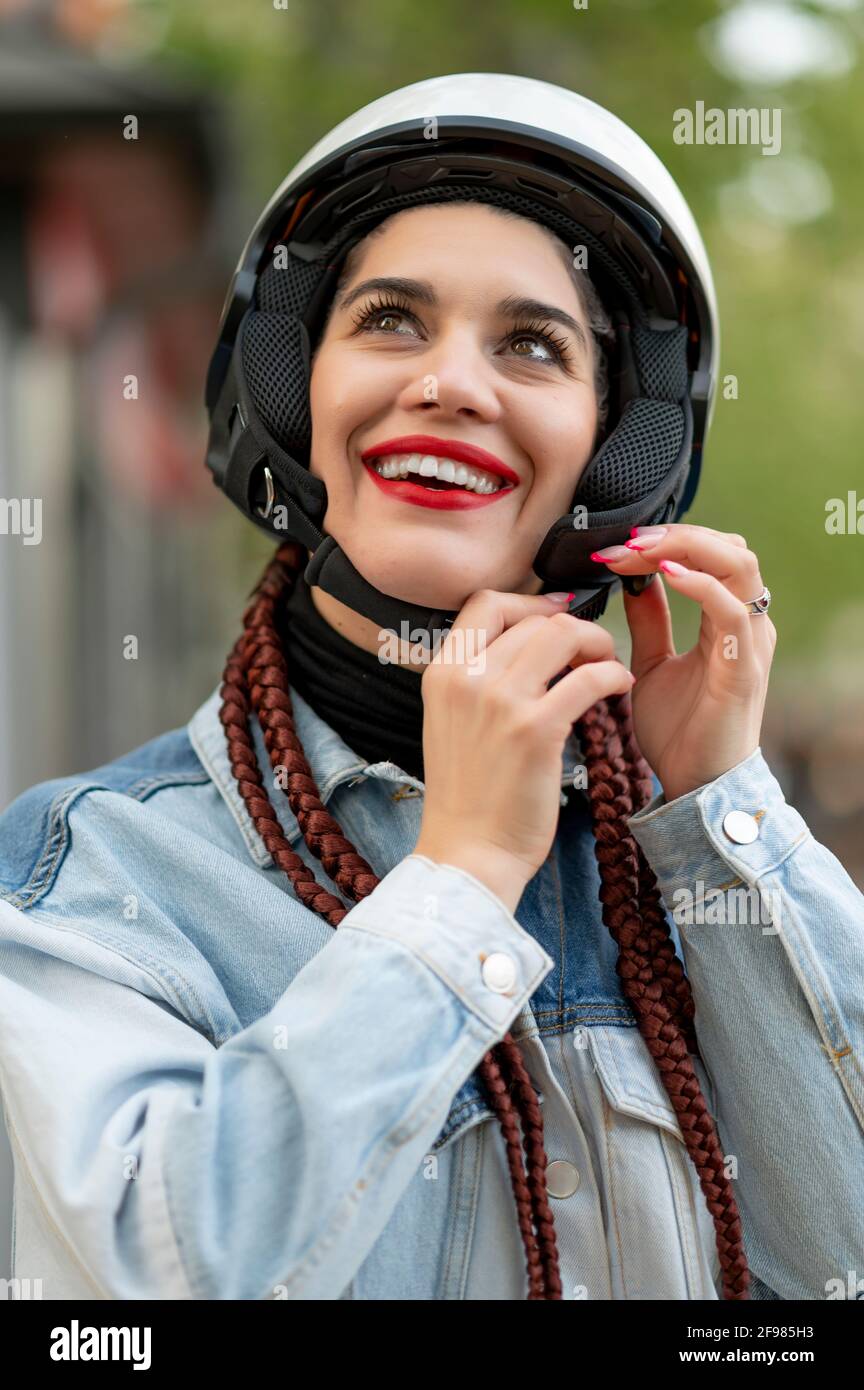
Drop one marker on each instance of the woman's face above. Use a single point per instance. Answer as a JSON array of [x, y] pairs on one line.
[[465, 368]]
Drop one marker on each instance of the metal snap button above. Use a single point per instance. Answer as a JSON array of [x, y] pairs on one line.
[[562, 1178], [499, 972], [741, 827]]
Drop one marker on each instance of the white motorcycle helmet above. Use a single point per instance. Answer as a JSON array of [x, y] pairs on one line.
[[533, 148]]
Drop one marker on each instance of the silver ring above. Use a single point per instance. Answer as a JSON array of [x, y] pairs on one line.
[[755, 606]]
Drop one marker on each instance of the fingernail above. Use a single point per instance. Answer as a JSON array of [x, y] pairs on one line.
[[612, 552], [672, 567], [560, 597], [644, 543], [650, 531]]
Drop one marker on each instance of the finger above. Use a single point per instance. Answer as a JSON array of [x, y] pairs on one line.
[[650, 623], [489, 612], [576, 692], [535, 650], [736, 568], [728, 614], [637, 531]]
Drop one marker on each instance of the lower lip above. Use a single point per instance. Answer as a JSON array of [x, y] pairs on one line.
[[452, 500]]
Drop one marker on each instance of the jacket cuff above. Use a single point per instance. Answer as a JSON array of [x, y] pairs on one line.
[[458, 928], [685, 841]]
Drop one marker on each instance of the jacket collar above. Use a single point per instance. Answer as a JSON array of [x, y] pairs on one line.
[[331, 761]]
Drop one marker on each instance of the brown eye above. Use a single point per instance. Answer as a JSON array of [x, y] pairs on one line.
[[382, 319], [528, 332], [528, 338], [371, 316]]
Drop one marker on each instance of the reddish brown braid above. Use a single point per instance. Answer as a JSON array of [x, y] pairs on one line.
[[256, 679], [646, 979], [667, 968]]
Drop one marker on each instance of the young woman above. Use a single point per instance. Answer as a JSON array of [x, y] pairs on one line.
[[508, 1073]]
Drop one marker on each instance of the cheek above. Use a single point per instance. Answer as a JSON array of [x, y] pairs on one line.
[[321, 389], [562, 451], [570, 422], [345, 392]]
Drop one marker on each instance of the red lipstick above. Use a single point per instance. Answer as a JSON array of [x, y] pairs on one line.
[[454, 500], [443, 448], [447, 499]]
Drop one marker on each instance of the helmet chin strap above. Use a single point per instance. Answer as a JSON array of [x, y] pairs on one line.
[[330, 569]]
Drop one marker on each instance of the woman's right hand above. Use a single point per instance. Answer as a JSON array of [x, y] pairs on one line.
[[494, 735]]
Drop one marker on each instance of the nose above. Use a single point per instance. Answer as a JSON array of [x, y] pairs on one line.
[[454, 377]]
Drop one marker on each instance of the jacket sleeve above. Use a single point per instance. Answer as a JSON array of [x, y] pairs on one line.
[[772, 935], [175, 1169]]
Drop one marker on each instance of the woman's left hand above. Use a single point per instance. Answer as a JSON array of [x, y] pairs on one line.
[[697, 715]]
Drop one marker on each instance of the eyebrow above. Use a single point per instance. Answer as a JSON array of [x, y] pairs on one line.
[[515, 306]]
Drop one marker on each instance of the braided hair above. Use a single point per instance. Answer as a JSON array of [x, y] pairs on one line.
[[652, 976]]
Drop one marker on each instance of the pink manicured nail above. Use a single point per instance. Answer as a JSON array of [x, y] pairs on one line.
[[641, 544], [612, 552], [672, 567], [649, 532], [560, 597]]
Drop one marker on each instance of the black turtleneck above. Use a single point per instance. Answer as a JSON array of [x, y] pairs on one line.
[[376, 708]]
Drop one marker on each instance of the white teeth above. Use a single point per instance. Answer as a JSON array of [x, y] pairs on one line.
[[430, 466]]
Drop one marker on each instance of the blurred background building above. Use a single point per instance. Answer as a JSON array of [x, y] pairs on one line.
[[116, 252], [110, 269]]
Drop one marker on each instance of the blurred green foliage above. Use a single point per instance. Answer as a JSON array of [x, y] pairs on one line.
[[791, 291]]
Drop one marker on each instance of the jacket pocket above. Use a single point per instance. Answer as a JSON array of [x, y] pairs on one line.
[[660, 1232]]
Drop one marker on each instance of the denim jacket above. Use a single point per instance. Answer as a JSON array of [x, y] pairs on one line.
[[212, 1094]]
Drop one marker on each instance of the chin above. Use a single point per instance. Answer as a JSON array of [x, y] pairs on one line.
[[432, 575]]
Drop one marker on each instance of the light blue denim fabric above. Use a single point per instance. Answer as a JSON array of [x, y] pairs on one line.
[[211, 1094]]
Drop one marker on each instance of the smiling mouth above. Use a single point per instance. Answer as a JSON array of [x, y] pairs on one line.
[[439, 474]]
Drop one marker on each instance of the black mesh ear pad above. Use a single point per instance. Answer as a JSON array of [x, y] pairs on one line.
[[645, 443], [274, 352], [288, 289], [662, 360], [635, 458]]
